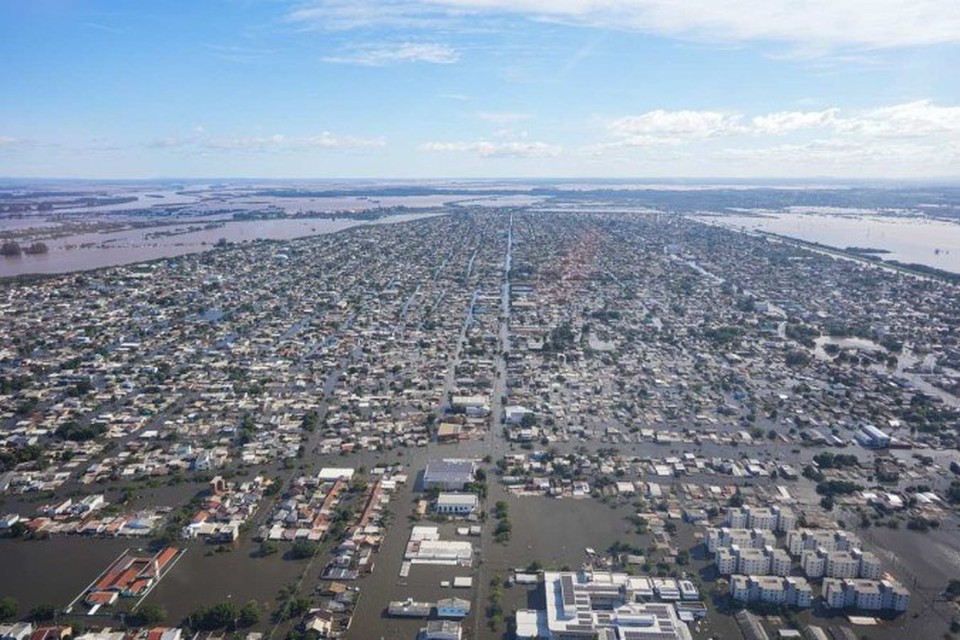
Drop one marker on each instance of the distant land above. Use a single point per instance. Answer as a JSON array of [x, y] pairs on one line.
[[93, 224]]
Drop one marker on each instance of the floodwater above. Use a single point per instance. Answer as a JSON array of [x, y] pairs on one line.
[[550, 531], [54, 571], [97, 250], [935, 243]]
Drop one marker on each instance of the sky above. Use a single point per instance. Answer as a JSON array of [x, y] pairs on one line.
[[336, 89]]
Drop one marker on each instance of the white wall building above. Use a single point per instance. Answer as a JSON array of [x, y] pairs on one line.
[[868, 595], [790, 591], [459, 504]]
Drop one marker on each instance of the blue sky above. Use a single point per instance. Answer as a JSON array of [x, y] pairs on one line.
[[480, 88]]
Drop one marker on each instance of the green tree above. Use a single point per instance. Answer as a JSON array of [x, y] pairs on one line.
[[219, 616], [42, 612], [249, 614], [9, 608], [147, 615], [304, 549]]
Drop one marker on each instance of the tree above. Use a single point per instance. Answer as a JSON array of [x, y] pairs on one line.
[[797, 358], [9, 608], [249, 614], [147, 615], [953, 588], [736, 500], [10, 248], [42, 612], [304, 549], [219, 616], [953, 493]]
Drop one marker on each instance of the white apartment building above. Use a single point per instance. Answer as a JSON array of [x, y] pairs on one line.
[[799, 540], [794, 592], [743, 538], [868, 595]]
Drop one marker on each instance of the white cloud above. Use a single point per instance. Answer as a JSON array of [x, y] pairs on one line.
[[789, 121], [7, 141], [909, 139], [487, 149], [921, 118], [378, 56], [501, 117], [911, 119], [675, 124], [276, 142], [813, 26]]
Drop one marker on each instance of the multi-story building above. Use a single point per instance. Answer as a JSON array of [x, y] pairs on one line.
[[595, 604], [799, 540], [786, 519], [726, 560], [813, 563], [870, 566], [737, 518], [776, 518], [842, 564], [868, 595], [752, 562], [819, 563], [793, 591], [756, 562], [780, 562], [743, 538]]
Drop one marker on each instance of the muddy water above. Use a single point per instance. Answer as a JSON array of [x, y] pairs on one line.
[[907, 239], [553, 532], [97, 250], [205, 577], [53, 571]]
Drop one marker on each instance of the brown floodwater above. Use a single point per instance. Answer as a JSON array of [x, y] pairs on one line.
[[83, 252]]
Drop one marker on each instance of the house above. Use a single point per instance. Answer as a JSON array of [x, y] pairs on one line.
[[440, 630], [458, 504], [52, 633], [455, 608], [16, 631], [514, 414], [449, 432], [452, 475], [319, 621]]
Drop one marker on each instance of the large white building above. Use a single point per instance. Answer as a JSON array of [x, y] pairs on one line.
[[597, 604], [749, 561], [743, 538], [776, 518], [819, 563], [458, 504], [450, 475], [800, 540], [868, 595], [790, 591]]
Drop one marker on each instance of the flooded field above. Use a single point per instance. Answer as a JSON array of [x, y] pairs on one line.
[[97, 250], [934, 243]]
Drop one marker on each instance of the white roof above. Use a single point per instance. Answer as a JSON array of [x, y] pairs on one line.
[[335, 473]]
